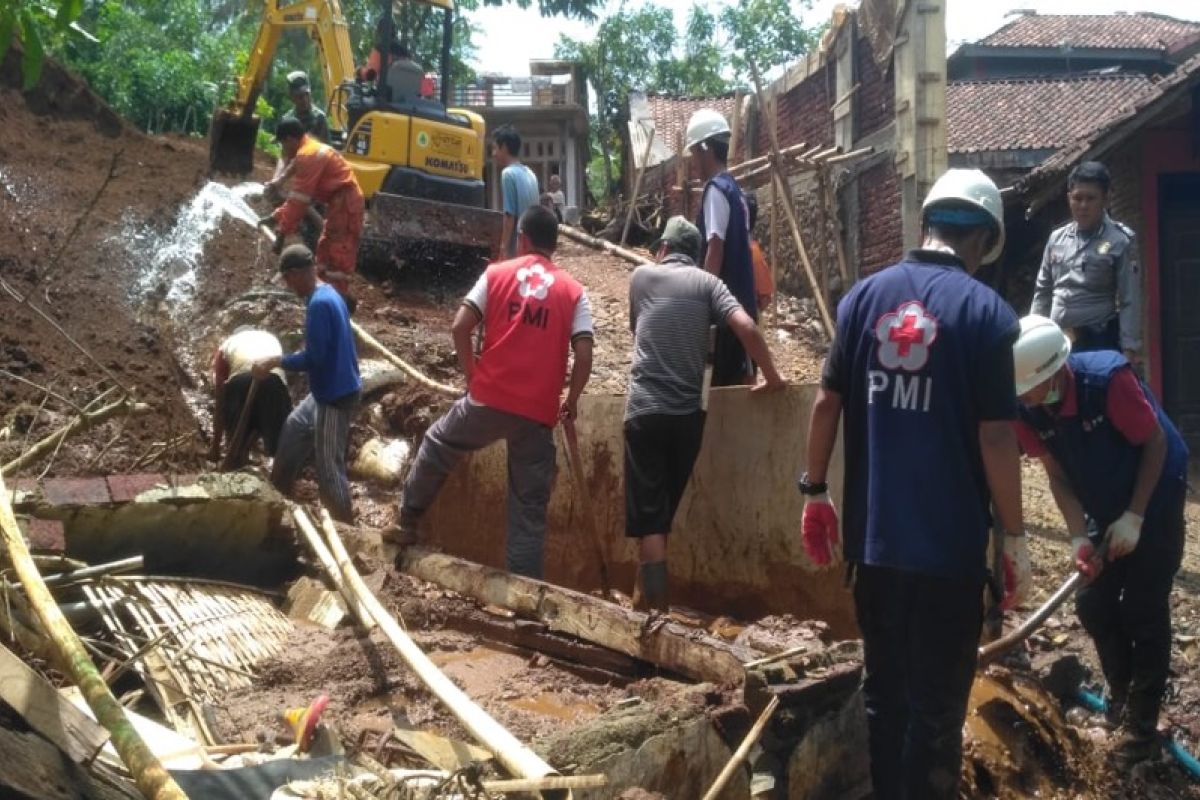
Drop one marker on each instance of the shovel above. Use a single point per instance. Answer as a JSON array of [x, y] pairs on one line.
[[239, 435], [579, 481]]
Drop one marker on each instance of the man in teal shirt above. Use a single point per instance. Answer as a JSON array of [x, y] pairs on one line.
[[518, 184]]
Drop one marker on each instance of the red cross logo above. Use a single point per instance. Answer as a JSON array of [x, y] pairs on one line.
[[534, 282], [905, 336]]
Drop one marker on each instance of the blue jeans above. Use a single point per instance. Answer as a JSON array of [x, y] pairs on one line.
[[920, 644]]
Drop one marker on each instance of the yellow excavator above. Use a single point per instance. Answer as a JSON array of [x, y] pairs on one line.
[[420, 164]]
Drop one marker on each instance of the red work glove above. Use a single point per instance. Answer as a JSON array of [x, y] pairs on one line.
[[1085, 557], [819, 529]]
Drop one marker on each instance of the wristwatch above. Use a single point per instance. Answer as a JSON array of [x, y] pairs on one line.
[[810, 489]]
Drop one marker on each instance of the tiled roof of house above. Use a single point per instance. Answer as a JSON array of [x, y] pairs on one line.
[[1034, 113], [1125, 122], [671, 114], [1141, 31]]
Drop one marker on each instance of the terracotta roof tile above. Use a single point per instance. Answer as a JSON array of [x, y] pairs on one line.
[[1034, 113], [1141, 31], [671, 114]]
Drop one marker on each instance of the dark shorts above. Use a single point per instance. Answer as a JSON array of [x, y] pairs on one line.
[[272, 405], [731, 364], [660, 451]]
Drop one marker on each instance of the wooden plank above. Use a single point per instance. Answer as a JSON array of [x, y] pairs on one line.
[[671, 646], [32, 767], [44, 709], [309, 600], [538, 637], [443, 753], [173, 749]]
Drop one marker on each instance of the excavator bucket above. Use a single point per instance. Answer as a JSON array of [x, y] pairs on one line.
[[232, 141], [410, 225]]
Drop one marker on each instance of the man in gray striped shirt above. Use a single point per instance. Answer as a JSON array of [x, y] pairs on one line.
[[672, 304]]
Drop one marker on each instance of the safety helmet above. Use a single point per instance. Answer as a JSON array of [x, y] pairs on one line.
[[1041, 349], [969, 186], [705, 124]]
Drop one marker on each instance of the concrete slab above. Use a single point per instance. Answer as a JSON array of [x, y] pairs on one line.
[[75, 491]]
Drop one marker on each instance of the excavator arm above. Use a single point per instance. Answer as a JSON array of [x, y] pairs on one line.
[[235, 127]]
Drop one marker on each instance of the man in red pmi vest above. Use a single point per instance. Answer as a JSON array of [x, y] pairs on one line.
[[532, 313]]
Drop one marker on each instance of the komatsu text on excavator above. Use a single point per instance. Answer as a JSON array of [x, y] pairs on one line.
[[419, 164]]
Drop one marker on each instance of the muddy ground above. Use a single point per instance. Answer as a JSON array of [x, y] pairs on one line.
[[88, 221]]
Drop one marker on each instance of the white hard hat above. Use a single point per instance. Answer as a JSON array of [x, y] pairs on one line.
[[1041, 349], [705, 124], [973, 187]]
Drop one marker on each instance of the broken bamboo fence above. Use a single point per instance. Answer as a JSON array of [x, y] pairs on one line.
[[152, 779]]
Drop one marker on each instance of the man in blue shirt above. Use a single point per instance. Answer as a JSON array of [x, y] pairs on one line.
[[320, 425], [921, 369], [518, 184]]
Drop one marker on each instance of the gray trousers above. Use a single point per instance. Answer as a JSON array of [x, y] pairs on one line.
[[320, 432], [468, 427]]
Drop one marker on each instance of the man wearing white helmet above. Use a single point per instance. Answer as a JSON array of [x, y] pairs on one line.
[[921, 371], [1111, 454], [725, 234]]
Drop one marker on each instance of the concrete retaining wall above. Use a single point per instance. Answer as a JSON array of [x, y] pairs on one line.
[[736, 547]]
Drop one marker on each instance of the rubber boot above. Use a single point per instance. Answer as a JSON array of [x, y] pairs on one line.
[[1139, 740]]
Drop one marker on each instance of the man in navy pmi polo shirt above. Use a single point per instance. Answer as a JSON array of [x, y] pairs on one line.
[[921, 370]]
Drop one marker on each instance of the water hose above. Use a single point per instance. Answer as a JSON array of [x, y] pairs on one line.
[[1191, 765]]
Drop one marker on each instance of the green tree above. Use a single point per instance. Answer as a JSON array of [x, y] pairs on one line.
[[624, 55], [767, 33], [700, 70], [35, 26]]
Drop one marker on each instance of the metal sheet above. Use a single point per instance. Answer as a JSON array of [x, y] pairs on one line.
[[736, 546]]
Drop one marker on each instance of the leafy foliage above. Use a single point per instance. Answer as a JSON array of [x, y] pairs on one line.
[[34, 25], [639, 49]]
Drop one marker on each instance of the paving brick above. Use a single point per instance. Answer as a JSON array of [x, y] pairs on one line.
[[126, 488], [75, 491], [44, 535]]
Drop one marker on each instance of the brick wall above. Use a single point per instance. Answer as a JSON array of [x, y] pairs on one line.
[[880, 234], [875, 102], [803, 114], [1125, 201]]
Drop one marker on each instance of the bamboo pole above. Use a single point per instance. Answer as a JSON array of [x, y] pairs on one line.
[[330, 565], [81, 422], [637, 187], [516, 757], [151, 778], [239, 433], [741, 169], [409, 369], [790, 213], [600, 244], [743, 750]]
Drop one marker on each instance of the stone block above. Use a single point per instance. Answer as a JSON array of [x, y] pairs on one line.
[[76, 491], [126, 488]]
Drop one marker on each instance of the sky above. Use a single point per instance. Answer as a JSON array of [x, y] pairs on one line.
[[509, 37]]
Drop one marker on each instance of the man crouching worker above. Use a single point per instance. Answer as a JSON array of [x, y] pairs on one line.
[[671, 306], [232, 380], [532, 312]]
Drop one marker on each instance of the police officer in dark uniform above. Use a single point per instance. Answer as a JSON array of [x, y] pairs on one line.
[[921, 371], [725, 233], [314, 120], [1111, 454], [1090, 281]]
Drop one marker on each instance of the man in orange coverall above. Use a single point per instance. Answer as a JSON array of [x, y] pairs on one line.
[[319, 174]]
